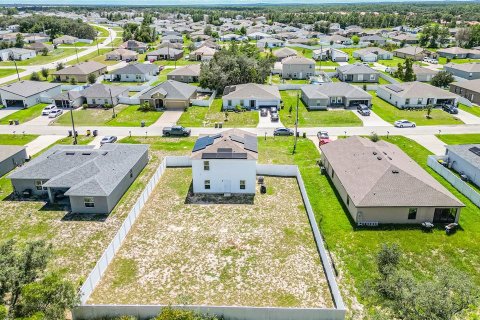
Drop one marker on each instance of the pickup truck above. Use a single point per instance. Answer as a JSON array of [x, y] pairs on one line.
[[176, 131]]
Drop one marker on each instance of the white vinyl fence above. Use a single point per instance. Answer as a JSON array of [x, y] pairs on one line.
[[228, 312], [202, 102], [455, 181]]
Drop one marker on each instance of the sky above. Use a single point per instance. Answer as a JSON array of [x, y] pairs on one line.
[[186, 2]]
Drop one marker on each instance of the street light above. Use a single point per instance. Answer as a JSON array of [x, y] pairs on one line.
[[71, 116], [16, 68], [113, 105], [76, 50], [296, 126]]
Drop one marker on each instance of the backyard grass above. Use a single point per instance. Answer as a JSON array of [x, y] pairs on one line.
[[473, 109], [261, 253], [24, 115], [331, 118], [389, 113], [162, 76], [277, 79], [354, 249], [180, 62], [126, 116], [9, 72], [468, 138], [16, 139], [443, 60], [198, 116], [40, 59]]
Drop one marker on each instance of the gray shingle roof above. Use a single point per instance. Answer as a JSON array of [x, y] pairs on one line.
[[417, 89], [335, 89], [173, 90], [473, 85], [82, 169], [164, 51], [188, 70], [381, 175], [8, 151], [357, 68], [100, 90], [28, 88], [466, 67], [463, 151], [137, 68], [231, 141], [252, 91], [83, 68]]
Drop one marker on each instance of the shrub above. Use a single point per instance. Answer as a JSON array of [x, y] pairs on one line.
[[374, 137], [177, 314], [35, 76], [73, 81], [145, 107]]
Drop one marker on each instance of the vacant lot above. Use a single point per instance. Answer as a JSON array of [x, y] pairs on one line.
[[78, 240], [390, 113], [316, 118], [190, 249]]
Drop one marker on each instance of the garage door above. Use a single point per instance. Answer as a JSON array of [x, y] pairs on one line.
[[175, 105], [15, 103]]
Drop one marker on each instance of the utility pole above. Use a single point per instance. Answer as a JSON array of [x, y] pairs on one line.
[[76, 50], [113, 105], [296, 128], [71, 116], [98, 50], [16, 68]]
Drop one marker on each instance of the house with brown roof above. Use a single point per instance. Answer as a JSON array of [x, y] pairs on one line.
[[225, 163], [134, 45], [285, 52], [380, 184], [203, 53], [251, 96], [296, 67], [170, 94], [186, 74], [468, 89], [413, 53], [122, 55], [468, 71], [81, 71]]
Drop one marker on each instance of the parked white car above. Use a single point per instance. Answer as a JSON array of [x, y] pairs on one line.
[[55, 113], [404, 124], [46, 111]]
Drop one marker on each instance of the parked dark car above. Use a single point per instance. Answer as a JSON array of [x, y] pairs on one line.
[[176, 131], [263, 112], [283, 132], [108, 139], [273, 110], [450, 109], [363, 110], [274, 117]]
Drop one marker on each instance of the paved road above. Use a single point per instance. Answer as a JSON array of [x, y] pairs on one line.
[[53, 64]]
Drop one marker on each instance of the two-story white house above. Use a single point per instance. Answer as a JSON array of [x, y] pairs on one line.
[[225, 163]]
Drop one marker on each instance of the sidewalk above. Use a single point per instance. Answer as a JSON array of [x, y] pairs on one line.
[[41, 143], [431, 142]]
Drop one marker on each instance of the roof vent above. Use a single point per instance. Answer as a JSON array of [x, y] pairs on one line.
[[394, 171], [70, 153], [374, 153], [379, 158], [384, 153], [389, 158], [86, 153], [104, 154]]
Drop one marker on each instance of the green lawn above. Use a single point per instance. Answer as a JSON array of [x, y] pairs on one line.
[[8, 72], [469, 138], [162, 76], [392, 63], [473, 110], [24, 115], [331, 118], [196, 116], [180, 62], [442, 60], [127, 116], [353, 249], [16, 139], [102, 31], [40, 59], [276, 79], [389, 113], [94, 56]]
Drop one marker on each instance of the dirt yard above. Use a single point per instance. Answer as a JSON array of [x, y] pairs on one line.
[[248, 251]]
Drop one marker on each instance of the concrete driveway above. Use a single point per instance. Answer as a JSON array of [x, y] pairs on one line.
[[467, 117], [266, 122], [373, 120], [39, 121], [41, 143], [431, 142], [168, 118]]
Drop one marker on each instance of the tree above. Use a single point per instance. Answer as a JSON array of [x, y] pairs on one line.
[[44, 52], [208, 30], [50, 297], [408, 75], [355, 39], [73, 81], [243, 31], [35, 76], [399, 72], [19, 41], [59, 66], [45, 73], [429, 111], [442, 79], [91, 78]]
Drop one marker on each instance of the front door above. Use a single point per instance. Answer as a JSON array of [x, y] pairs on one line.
[[430, 101], [252, 104], [227, 186], [444, 215], [158, 103]]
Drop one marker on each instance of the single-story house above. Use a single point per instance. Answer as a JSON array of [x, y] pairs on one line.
[[135, 72], [232, 37], [81, 71], [187, 74], [134, 45], [203, 53], [164, 53], [258, 35], [170, 94], [357, 72], [338, 39], [270, 43], [372, 54], [415, 95], [172, 38], [65, 39], [69, 99], [11, 157], [380, 184], [27, 93], [39, 47], [469, 71], [334, 95], [225, 163], [283, 53], [296, 67], [122, 55], [93, 180], [321, 54], [465, 159], [458, 53], [100, 94], [469, 89], [17, 54], [338, 55], [405, 38], [251, 96], [374, 39], [423, 74], [413, 53], [170, 45]]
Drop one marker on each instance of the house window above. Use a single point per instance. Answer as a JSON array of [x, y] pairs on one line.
[[206, 165], [89, 202], [390, 96], [407, 101], [229, 103], [412, 213], [372, 77], [131, 173], [207, 184], [242, 184], [420, 101], [242, 103], [39, 185]]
